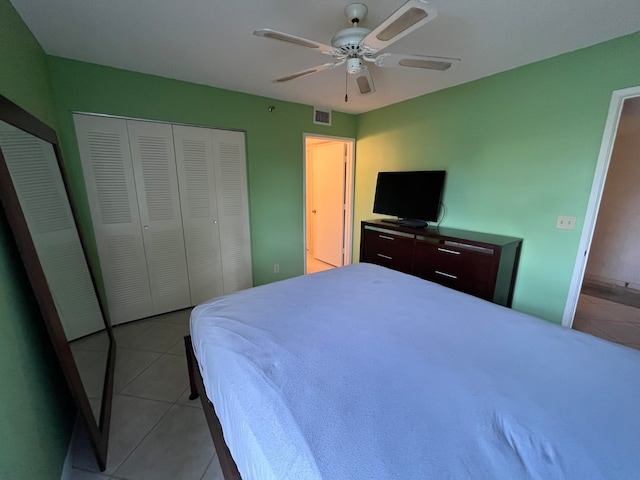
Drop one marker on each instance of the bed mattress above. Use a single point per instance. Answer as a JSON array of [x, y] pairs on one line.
[[366, 373]]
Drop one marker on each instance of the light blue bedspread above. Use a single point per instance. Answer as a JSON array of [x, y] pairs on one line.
[[366, 373]]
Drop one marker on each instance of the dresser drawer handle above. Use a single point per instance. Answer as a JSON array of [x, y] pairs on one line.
[[385, 256], [386, 237], [445, 250], [448, 275]]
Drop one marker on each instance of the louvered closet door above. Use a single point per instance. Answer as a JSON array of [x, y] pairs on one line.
[[40, 189], [108, 173], [194, 162], [154, 166], [233, 209]]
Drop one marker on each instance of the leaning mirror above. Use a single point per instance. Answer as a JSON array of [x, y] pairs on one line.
[[35, 200]]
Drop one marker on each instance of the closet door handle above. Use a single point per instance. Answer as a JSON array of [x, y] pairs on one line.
[[146, 227], [453, 252], [215, 221]]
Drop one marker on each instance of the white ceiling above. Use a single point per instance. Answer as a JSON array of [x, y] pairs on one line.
[[211, 42]]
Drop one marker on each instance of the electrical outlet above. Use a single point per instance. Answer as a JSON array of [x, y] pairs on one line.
[[276, 267], [566, 222]]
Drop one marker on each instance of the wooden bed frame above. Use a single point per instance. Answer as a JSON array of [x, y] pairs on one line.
[[227, 464]]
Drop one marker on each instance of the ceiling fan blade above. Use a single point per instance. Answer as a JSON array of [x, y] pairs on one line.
[[364, 81], [413, 14], [303, 42], [308, 71], [440, 64]]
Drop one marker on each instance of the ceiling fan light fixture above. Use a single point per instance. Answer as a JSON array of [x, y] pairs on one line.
[[363, 85], [353, 66], [428, 64], [402, 23]]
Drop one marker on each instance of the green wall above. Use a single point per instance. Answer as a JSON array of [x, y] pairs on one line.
[[36, 412], [274, 145], [520, 148]]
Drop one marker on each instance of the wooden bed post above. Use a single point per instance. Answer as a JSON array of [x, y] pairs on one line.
[[190, 364]]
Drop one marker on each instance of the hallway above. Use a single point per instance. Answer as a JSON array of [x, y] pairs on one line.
[[608, 320]]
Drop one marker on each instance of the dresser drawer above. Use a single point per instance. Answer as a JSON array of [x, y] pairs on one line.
[[388, 250], [457, 267]]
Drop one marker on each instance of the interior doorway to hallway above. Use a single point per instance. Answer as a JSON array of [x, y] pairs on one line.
[[328, 186], [603, 296]]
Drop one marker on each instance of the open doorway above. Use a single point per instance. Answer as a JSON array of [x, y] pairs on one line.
[[328, 167], [608, 300]]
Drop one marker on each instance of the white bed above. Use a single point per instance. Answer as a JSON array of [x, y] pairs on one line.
[[366, 373]]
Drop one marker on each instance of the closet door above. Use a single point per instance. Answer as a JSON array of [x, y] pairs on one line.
[[194, 162], [233, 209], [108, 173], [156, 181]]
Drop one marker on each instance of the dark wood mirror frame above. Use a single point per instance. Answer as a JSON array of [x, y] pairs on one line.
[[98, 433]]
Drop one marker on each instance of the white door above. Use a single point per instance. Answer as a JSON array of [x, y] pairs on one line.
[[328, 202], [39, 186], [233, 209], [195, 165], [154, 167], [108, 173]]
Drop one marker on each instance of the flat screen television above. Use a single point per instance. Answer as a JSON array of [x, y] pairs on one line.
[[413, 197]]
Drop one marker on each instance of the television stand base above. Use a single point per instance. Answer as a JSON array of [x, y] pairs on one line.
[[406, 222], [413, 223]]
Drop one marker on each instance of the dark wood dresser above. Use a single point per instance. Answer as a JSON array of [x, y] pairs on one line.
[[480, 264]]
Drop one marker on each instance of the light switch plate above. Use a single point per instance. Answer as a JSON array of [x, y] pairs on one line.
[[566, 222]]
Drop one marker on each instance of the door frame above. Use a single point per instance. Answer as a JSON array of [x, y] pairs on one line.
[[597, 188], [349, 189]]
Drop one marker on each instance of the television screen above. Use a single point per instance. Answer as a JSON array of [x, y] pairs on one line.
[[410, 195]]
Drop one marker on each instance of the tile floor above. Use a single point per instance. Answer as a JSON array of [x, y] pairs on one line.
[[314, 265], [157, 433], [608, 320]]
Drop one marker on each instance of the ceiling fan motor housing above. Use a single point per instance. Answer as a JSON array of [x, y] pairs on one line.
[[348, 40]]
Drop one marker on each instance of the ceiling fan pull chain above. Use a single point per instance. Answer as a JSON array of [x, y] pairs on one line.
[[346, 86]]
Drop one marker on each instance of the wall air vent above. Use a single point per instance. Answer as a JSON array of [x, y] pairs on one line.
[[321, 116]]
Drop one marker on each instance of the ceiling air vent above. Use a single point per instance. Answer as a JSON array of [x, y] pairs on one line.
[[321, 117]]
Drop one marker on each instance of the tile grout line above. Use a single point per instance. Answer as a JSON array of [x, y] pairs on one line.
[[144, 370], [114, 475], [174, 404], [215, 457], [151, 322], [154, 425], [138, 444]]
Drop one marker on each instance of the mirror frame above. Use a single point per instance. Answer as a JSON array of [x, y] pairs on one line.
[[98, 433]]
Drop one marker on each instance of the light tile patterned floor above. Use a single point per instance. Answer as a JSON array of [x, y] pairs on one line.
[[608, 320], [157, 433]]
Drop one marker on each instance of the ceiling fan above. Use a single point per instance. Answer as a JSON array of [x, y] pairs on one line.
[[356, 45]]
